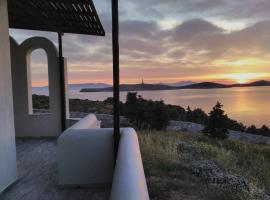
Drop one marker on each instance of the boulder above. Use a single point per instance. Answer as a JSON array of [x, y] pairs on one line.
[[206, 169], [191, 127], [184, 126], [229, 185], [107, 121], [260, 194]]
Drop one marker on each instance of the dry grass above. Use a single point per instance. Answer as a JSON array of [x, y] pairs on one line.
[[169, 178]]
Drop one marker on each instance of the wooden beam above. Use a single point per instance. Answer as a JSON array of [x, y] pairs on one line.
[[116, 100]]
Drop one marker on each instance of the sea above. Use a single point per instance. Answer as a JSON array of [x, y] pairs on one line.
[[249, 105]]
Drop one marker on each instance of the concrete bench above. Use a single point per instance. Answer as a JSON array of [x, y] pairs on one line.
[[86, 158], [85, 154]]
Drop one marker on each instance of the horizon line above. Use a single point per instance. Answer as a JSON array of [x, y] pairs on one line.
[[164, 83]]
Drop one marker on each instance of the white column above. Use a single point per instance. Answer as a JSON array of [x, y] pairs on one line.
[[8, 171], [66, 88]]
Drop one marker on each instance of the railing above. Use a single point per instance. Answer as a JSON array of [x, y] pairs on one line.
[[88, 122], [129, 180]]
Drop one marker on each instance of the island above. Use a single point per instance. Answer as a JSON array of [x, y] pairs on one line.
[[150, 87]]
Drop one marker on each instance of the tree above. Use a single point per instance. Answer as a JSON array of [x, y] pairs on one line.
[[217, 124], [264, 130], [176, 112], [199, 116], [109, 100], [189, 115], [145, 114], [252, 129]]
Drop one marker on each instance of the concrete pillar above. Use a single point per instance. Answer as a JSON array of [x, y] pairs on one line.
[[66, 89], [8, 169]]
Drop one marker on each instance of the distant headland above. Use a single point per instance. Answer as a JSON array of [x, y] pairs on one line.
[[149, 87]]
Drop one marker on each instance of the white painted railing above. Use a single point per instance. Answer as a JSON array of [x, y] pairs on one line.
[[88, 122], [129, 180]]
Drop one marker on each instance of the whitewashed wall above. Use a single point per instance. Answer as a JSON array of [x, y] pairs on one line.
[[27, 124], [8, 172]]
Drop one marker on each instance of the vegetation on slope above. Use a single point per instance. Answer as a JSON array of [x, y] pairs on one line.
[[170, 178]]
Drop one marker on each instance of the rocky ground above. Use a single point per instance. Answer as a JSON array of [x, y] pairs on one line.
[[178, 126], [106, 119], [190, 127], [182, 165], [230, 185]]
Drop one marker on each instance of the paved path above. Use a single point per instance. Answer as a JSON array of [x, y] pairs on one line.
[[37, 172]]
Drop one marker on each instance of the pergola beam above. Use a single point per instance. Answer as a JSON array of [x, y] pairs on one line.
[[116, 100], [62, 82]]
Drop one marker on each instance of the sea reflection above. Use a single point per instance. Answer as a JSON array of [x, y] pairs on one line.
[[247, 105]]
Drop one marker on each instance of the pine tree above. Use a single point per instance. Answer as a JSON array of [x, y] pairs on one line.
[[217, 124], [189, 116]]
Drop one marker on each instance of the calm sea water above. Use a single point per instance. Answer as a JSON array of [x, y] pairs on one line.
[[247, 105]]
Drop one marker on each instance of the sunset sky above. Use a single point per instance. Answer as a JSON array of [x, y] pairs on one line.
[[170, 41]]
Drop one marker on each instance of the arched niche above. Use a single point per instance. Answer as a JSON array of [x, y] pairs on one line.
[[38, 82], [27, 124]]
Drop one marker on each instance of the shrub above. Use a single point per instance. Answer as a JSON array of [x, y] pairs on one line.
[[199, 116], [176, 112], [145, 114], [41, 102]]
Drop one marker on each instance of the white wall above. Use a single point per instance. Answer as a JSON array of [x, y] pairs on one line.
[[7, 133], [27, 124]]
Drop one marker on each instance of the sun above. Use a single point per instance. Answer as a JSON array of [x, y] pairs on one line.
[[246, 77], [241, 81], [240, 78]]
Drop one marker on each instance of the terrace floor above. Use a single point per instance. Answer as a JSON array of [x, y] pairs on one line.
[[37, 175]]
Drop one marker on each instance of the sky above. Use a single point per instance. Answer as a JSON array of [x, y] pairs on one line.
[[169, 41]]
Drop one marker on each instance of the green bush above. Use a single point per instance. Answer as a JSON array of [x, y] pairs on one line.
[[145, 114]]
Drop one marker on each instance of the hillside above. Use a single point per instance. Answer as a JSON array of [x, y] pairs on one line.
[[87, 85], [191, 166], [205, 85], [253, 84], [132, 87]]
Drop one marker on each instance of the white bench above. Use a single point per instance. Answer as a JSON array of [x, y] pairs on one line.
[[86, 158], [85, 154]]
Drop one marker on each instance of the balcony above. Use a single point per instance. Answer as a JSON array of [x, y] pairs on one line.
[[79, 165]]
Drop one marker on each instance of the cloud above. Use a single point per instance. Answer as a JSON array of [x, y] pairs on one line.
[[195, 27], [198, 42], [229, 9]]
